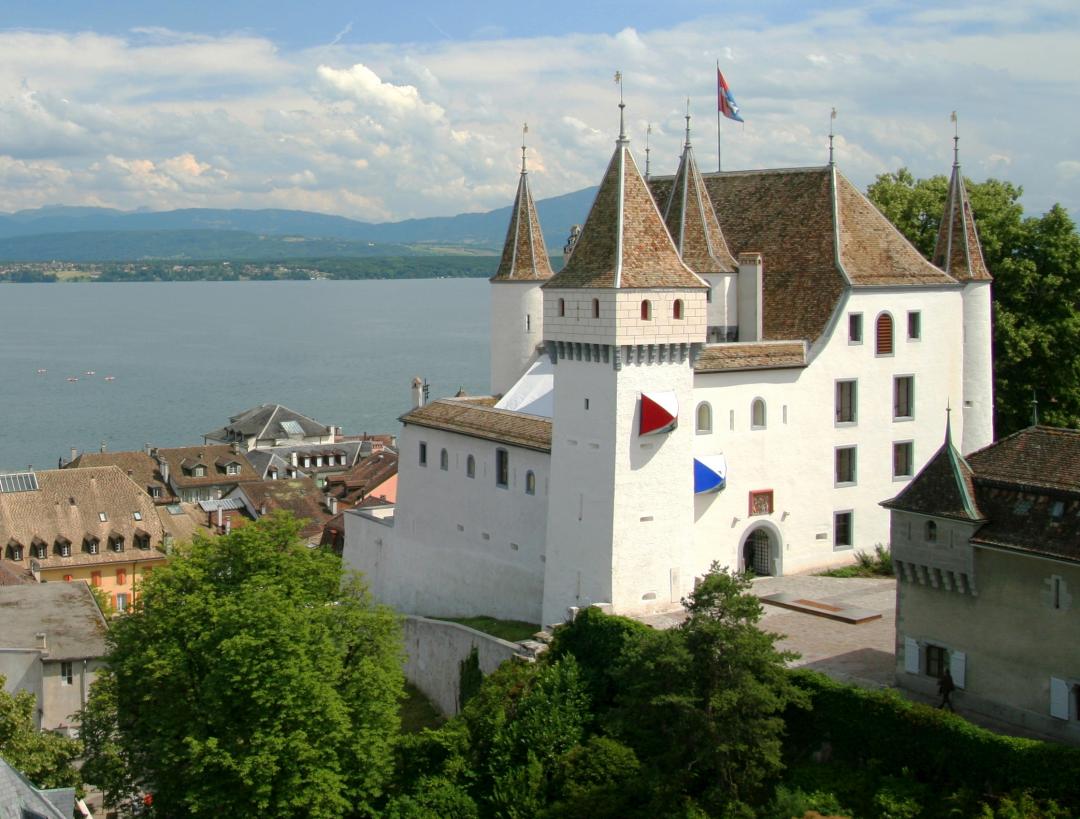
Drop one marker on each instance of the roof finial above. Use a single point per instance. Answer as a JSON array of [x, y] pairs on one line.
[[648, 132], [622, 107], [955, 140], [687, 122], [1034, 409], [524, 130], [832, 119]]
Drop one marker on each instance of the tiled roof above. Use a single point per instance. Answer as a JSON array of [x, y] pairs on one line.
[[691, 221], [1037, 457], [958, 251], [524, 256], [188, 457], [264, 422], [1025, 521], [624, 242], [944, 488], [262, 460], [182, 527], [65, 612], [68, 504], [300, 496], [137, 464], [365, 476], [788, 216], [488, 423], [751, 356]]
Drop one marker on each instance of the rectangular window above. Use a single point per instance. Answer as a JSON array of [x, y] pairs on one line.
[[65, 673], [423, 453], [854, 332], [121, 602], [502, 468], [846, 406], [903, 459], [845, 465], [936, 658], [903, 397], [842, 531], [914, 325], [95, 579]]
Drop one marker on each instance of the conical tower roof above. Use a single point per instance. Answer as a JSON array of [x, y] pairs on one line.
[[524, 256], [691, 220], [624, 243], [958, 251]]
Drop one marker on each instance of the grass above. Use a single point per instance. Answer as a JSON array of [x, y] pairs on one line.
[[878, 564], [417, 712], [511, 630]]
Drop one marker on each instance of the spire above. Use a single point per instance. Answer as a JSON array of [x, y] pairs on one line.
[[958, 251], [832, 119], [624, 243], [524, 256], [691, 219], [648, 133], [622, 108]]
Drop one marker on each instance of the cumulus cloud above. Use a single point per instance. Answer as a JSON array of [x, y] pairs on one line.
[[362, 84]]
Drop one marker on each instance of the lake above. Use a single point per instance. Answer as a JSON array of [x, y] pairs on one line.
[[184, 356]]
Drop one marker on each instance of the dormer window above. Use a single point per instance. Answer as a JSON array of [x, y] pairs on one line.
[[142, 540], [63, 547], [232, 469], [39, 550], [116, 543], [14, 550], [199, 472], [307, 461], [931, 531], [155, 491], [90, 545]]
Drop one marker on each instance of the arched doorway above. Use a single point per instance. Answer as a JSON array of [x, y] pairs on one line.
[[757, 553]]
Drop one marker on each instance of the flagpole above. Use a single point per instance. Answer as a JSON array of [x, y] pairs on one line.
[[719, 163]]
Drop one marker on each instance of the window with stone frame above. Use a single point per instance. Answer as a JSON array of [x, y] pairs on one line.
[[502, 468], [423, 453], [937, 660], [470, 467], [903, 459], [845, 465], [846, 401], [884, 335], [854, 328], [903, 397], [843, 533]]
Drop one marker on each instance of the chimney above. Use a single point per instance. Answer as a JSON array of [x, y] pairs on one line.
[[163, 466], [262, 510], [294, 459], [235, 448], [331, 504], [749, 296], [148, 449], [417, 393], [103, 446], [42, 642], [74, 453], [228, 525], [219, 517]]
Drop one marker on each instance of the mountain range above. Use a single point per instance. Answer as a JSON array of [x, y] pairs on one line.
[[87, 234]]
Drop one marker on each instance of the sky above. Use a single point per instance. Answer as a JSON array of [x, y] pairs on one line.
[[383, 112]]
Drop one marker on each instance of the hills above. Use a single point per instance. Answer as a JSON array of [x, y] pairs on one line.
[[81, 234]]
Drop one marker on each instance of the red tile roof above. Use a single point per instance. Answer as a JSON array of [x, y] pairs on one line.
[[691, 221], [467, 418], [763, 355], [524, 256], [958, 251]]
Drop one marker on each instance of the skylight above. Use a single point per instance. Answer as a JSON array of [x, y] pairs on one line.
[[18, 482]]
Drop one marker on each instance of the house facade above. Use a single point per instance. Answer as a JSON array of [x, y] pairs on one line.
[[735, 367]]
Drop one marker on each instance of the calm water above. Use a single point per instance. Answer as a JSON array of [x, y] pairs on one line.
[[186, 356]]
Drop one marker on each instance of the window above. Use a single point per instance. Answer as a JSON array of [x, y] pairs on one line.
[[704, 417], [95, 579], [67, 578], [596, 308], [199, 472], [502, 468], [121, 577], [137, 515], [884, 336], [854, 328], [846, 406], [423, 453], [155, 491], [232, 469], [117, 543], [142, 540], [444, 460], [930, 531], [562, 307], [64, 548], [914, 325], [1057, 511], [842, 531], [15, 551], [936, 660], [121, 602], [470, 467], [65, 673], [903, 453], [845, 465], [307, 461], [646, 310], [903, 397], [757, 414], [530, 483], [104, 518], [91, 545], [676, 309], [40, 551]]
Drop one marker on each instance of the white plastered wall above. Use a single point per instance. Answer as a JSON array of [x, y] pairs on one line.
[[517, 327]]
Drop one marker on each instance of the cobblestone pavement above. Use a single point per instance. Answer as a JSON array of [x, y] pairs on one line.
[[862, 653]]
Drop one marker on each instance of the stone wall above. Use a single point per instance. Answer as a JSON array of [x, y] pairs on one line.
[[434, 652]]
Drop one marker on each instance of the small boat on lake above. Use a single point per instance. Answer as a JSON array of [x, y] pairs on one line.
[[110, 378], [91, 372], [41, 371], [72, 378]]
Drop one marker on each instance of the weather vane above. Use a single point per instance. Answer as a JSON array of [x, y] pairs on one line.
[[524, 131], [622, 106]]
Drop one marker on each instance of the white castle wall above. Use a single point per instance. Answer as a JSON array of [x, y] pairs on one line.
[[978, 394], [517, 327]]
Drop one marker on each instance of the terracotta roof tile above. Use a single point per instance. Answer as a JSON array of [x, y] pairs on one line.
[[1036, 457], [624, 242], [188, 457], [488, 423], [957, 250], [524, 256], [300, 496], [691, 220], [944, 487], [141, 467], [751, 356]]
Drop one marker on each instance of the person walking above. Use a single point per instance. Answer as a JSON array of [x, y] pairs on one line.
[[945, 688]]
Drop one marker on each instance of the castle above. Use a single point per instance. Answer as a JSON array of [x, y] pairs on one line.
[[733, 367]]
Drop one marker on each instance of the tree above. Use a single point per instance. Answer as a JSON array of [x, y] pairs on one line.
[[249, 679], [1035, 263], [42, 757]]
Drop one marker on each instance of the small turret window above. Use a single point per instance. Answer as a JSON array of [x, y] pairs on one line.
[[676, 309], [646, 310], [470, 467], [596, 308], [704, 417], [530, 483], [444, 460], [884, 334], [562, 307], [931, 531], [757, 414]]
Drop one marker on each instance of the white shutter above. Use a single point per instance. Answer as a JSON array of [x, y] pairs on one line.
[[1059, 698], [957, 667], [911, 656]]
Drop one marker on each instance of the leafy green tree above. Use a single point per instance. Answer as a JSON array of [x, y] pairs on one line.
[[42, 757], [1035, 262], [248, 679]]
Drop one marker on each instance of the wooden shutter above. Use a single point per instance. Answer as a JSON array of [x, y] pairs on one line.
[[1059, 698], [884, 334], [911, 656], [958, 667]]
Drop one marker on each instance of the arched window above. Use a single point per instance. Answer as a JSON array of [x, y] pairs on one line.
[[470, 467], [931, 531], [444, 460], [596, 308], [676, 309], [884, 335], [562, 307], [530, 483], [646, 310], [704, 417], [757, 414]]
